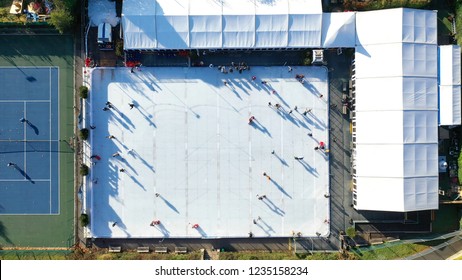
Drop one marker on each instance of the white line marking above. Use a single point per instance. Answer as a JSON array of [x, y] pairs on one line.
[[49, 123], [25, 137], [22, 180], [19, 101]]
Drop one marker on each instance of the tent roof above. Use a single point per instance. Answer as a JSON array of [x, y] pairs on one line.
[[396, 93], [166, 24], [396, 119], [449, 65], [339, 30], [397, 194], [396, 59], [450, 105], [396, 25], [450, 85]]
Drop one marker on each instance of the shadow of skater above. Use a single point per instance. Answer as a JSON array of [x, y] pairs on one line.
[[308, 167], [163, 230], [36, 130], [280, 188], [255, 124], [24, 174], [273, 207], [137, 182], [169, 204], [283, 161], [201, 231]]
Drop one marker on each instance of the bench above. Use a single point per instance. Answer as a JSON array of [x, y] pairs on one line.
[[181, 250], [160, 249], [344, 109], [142, 249], [115, 249]]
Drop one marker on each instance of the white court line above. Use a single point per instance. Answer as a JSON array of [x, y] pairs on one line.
[[58, 135], [22, 180], [49, 123], [28, 140], [25, 137], [19, 101]]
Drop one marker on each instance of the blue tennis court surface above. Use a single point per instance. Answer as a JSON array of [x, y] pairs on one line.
[[29, 140]]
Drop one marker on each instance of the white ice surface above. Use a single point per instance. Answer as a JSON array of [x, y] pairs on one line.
[[101, 11], [193, 145]]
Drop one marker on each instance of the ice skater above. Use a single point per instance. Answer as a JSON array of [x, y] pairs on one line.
[[155, 223], [289, 69], [11, 164], [22, 120], [122, 170], [298, 158], [307, 110], [251, 119], [269, 104], [267, 176], [261, 197], [115, 154], [110, 137], [105, 108], [114, 224], [131, 105]]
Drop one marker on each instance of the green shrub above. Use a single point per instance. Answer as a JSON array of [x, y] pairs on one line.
[[307, 59], [351, 232], [84, 132], [459, 171], [384, 4], [61, 19], [119, 48], [84, 170], [84, 220], [83, 92], [458, 34]]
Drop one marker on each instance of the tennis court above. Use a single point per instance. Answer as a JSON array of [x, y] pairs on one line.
[[29, 140]]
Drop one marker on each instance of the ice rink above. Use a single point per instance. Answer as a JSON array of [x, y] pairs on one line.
[[188, 140]]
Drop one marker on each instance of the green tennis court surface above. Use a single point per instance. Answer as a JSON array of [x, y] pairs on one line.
[[36, 208]]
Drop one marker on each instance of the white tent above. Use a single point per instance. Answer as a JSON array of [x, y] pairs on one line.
[[396, 111], [396, 26], [339, 30], [449, 85], [211, 24], [396, 59]]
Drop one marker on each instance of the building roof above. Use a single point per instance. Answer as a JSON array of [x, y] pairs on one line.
[[449, 85], [209, 24], [339, 30], [396, 113]]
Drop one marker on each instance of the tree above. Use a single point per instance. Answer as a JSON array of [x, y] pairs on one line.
[[83, 92], [61, 19]]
